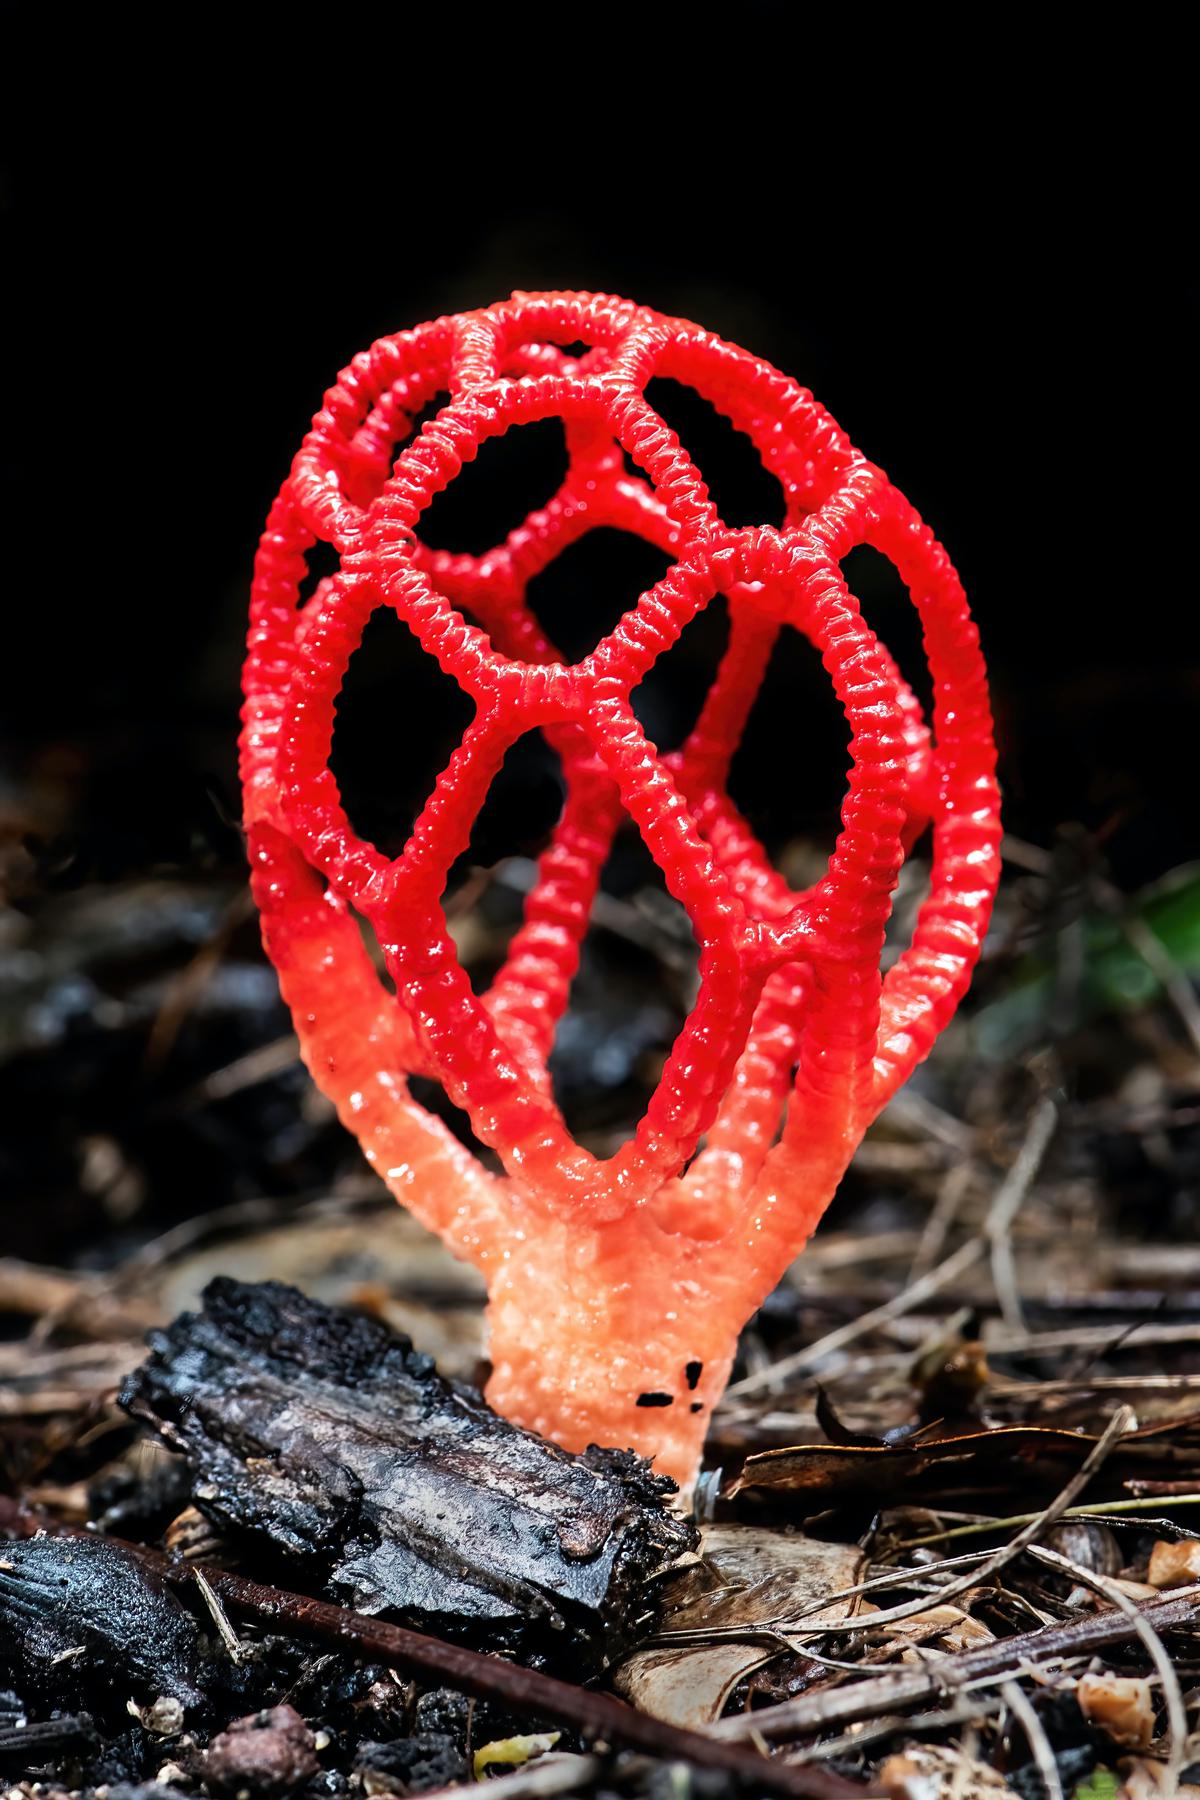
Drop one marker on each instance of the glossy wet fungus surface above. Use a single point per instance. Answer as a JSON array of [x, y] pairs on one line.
[[618, 1286]]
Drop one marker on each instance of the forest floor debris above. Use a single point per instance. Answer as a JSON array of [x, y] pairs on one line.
[[948, 1537]]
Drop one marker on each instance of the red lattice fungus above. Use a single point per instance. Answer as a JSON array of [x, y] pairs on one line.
[[617, 1288]]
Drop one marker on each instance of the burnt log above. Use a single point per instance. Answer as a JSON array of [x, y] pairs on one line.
[[331, 1440], [37, 1749], [73, 1609]]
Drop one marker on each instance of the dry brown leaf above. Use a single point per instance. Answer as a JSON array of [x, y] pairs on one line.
[[749, 1552], [1123, 1706], [826, 1470], [687, 1685], [947, 1626], [761, 1575], [750, 1580], [930, 1772], [936, 1461], [1146, 1780], [1174, 1565]]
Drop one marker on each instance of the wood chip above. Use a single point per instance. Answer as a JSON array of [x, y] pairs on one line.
[[1121, 1705], [1174, 1565]]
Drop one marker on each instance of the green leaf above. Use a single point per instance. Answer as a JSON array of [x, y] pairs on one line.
[[1101, 1784], [1115, 977]]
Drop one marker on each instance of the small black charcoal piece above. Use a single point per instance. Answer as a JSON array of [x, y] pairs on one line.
[[446, 1712], [692, 1373], [126, 1758], [655, 1399], [44, 1744], [329, 1438], [412, 1765], [126, 1502], [73, 1607]]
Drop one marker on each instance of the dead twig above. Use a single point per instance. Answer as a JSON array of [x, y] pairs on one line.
[[1006, 1204], [554, 1774], [1104, 1338], [915, 1113], [993, 1240], [597, 1717], [1158, 959], [1117, 1426], [225, 1631], [951, 1193], [81, 1302], [1018, 1703], [804, 1360], [256, 1065], [186, 986], [965, 1711], [899, 1689], [1155, 1648], [1101, 1512]]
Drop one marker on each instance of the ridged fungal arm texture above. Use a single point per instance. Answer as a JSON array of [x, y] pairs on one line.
[[617, 1287]]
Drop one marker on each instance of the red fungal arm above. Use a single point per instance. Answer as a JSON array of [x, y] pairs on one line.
[[617, 1288]]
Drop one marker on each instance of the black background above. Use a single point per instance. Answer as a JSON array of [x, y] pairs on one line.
[[974, 255]]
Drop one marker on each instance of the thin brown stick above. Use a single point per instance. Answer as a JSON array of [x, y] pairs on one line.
[[1155, 1649], [1007, 1203], [1002, 1341], [597, 1717], [1101, 1511], [553, 1774], [1158, 959], [913, 1112], [803, 1360], [185, 987], [993, 1241], [1117, 1426], [225, 1631], [899, 1689], [967, 1710], [256, 1065], [1018, 1704], [952, 1191]]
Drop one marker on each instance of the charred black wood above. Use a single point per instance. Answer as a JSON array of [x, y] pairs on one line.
[[72, 1608], [332, 1440], [593, 1717], [126, 1501], [410, 1765], [31, 1748]]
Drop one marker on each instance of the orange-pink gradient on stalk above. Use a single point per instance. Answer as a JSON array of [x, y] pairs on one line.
[[617, 1288]]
